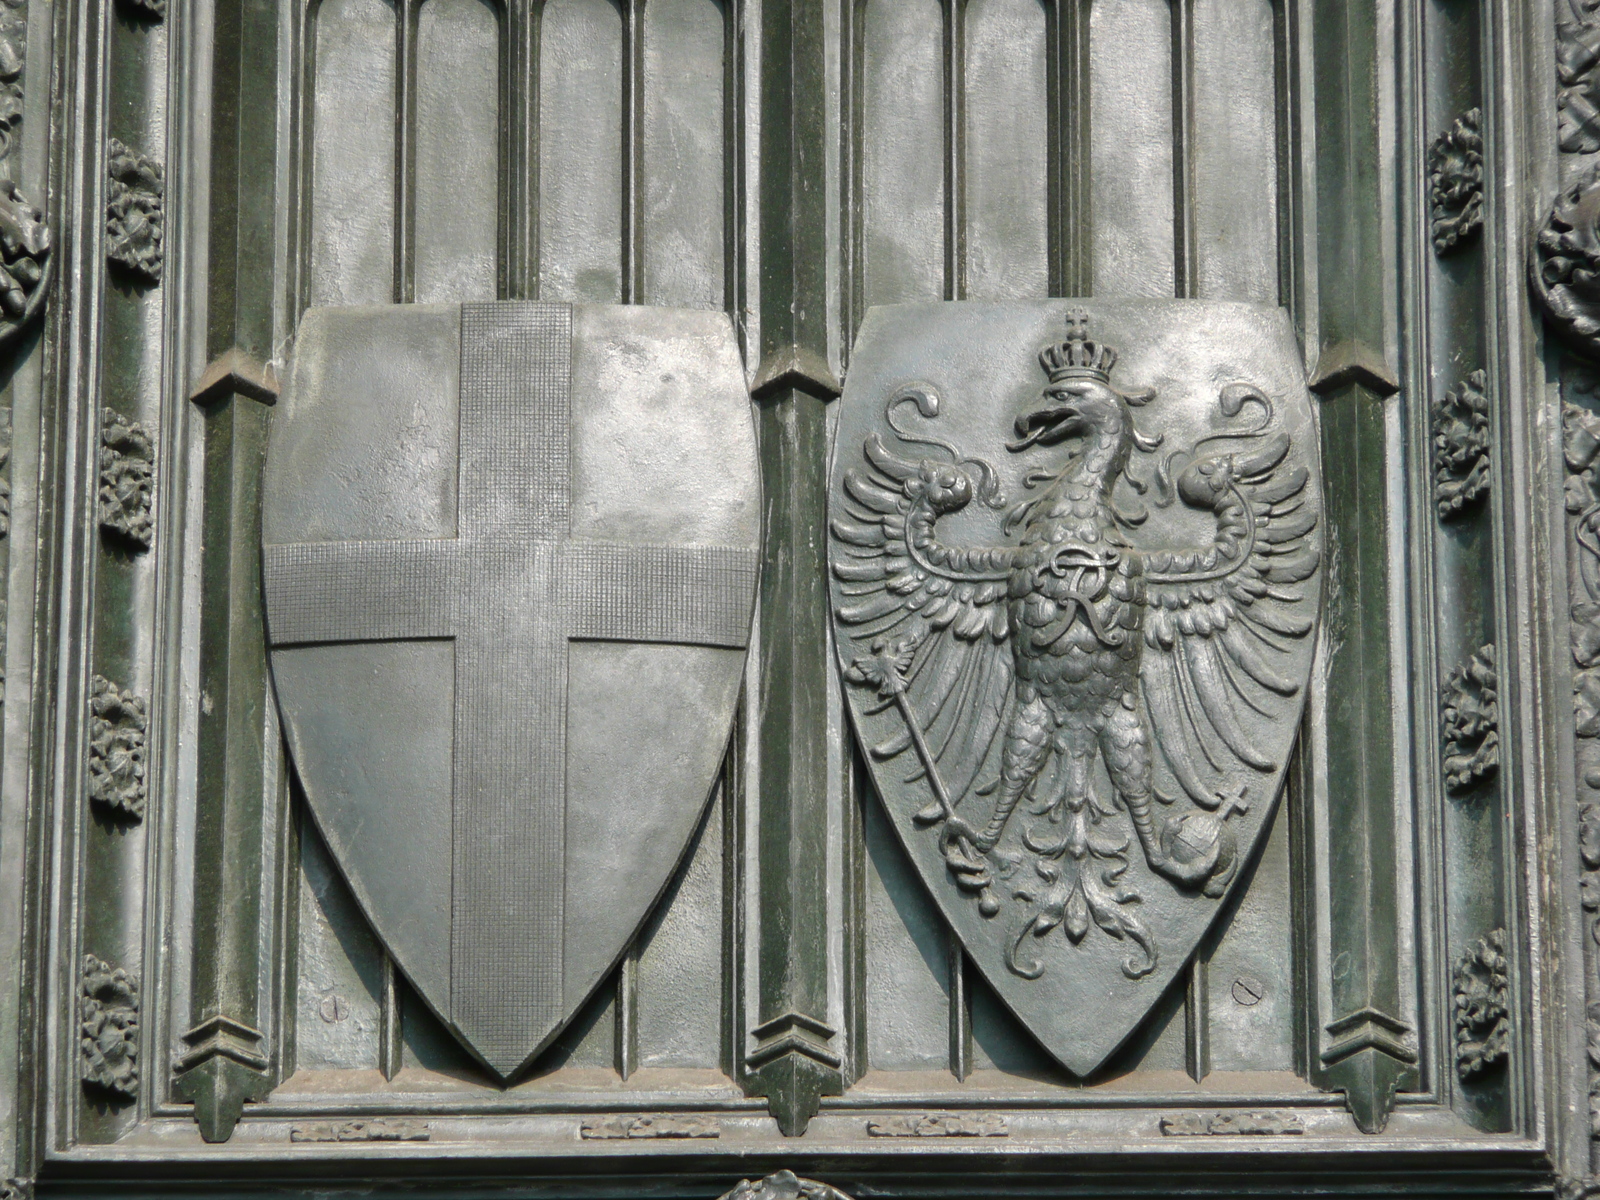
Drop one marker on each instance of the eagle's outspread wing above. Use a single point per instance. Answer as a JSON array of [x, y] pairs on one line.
[[1221, 619], [942, 608]]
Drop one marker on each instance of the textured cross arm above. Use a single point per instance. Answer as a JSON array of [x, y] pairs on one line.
[[361, 591], [692, 595]]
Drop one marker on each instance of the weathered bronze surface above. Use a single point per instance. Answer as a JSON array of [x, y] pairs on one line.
[[589, 862], [1077, 699], [509, 561]]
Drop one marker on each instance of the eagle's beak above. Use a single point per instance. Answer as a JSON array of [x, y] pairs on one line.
[[1054, 418]]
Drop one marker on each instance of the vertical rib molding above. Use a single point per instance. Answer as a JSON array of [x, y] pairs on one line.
[[795, 1060], [1071, 238], [45, 976], [632, 150], [852, 192], [1184, 268], [224, 1060], [632, 292], [733, 167], [1286, 87], [625, 1056], [405, 151], [519, 96], [854, 915], [960, 1007], [1197, 1017], [955, 149], [391, 1044], [1366, 1041]]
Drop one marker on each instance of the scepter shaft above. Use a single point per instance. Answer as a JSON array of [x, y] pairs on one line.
[[929, 767]]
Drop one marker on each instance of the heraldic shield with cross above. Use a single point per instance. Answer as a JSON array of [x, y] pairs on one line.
[[1076, 552], [510, 556]]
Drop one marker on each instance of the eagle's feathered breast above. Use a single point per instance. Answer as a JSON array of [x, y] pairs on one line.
[[1076, 598]]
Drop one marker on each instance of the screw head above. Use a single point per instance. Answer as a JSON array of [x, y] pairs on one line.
[[333, 1008], [1248, 990]]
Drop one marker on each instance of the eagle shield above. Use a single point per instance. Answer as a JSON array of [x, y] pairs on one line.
[[1076, 557], [509, 561]]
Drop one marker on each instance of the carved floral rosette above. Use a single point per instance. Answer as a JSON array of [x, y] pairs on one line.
[[1482, 999], [117, 721], [1455, 183], [127, 480], [24, 261], [1470, 712], [109, 1028], [783, 1185], [1461, 446], [135, 212], [1581, 448], [1564, 267], [1578, 77], [24, 233], [147, 10]]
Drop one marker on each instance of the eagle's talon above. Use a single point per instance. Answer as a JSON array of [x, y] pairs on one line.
[[1185, 874], [956, 829], [987, 840]]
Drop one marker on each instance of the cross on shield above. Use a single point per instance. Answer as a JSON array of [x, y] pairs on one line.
[[591, 531]]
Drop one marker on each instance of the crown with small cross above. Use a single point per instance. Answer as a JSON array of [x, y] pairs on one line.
[[1080, 356]]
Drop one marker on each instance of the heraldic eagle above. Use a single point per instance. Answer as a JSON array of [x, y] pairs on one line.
[[1020, 667]]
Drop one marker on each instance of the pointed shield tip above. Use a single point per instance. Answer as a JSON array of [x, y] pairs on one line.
[[506, 1052], [507, 1069], [1086, 1056]]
